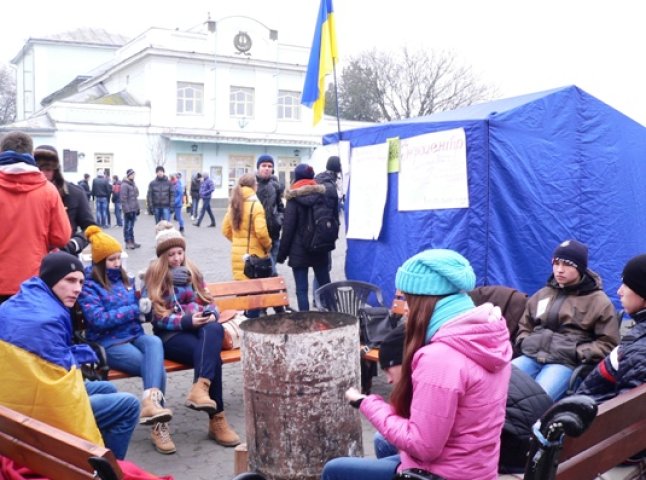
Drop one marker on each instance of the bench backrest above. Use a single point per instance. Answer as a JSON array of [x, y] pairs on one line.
[[250, 294], [47, 450], [617, 432]]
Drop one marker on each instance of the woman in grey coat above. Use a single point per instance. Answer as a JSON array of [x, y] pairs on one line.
[[130, 205]]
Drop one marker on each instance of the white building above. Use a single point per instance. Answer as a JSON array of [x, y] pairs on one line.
[[209, 100]]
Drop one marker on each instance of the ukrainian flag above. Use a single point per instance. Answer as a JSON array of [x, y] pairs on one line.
[[322, 58]]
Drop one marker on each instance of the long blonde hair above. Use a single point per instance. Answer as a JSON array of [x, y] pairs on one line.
[[237, 200], [159, 283]]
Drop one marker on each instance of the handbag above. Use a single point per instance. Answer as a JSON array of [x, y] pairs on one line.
[[255, 266], [232, 332], [375, 324]]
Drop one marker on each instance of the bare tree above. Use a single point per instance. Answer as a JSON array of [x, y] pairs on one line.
[[7, 94], [382, 86], [158, 147]]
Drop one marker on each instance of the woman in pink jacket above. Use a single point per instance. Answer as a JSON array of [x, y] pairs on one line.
[[447, 411]]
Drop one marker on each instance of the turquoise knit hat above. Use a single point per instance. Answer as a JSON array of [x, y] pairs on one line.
[[436, 272]]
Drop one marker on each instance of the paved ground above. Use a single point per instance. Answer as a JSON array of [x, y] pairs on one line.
[[198, 458]]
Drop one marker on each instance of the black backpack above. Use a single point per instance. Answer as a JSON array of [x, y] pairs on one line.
[[321, 228]]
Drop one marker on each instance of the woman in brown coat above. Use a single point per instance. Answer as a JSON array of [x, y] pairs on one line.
[[245, 225]]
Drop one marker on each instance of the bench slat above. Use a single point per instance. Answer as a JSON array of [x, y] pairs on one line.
[[253, 302], [247, 287]]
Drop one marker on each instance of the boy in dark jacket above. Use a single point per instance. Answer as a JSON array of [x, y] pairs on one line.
[[161, 195], [270, 194], [625, 367]]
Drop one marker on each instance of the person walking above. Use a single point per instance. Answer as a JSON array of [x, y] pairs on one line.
[[179, 196], [244, 225], [111, 310], [186, 319], [101, 192], [116, 199], [130, 201], [270, 194], [161, 195], [301, 197], [84, 183], [196, 181], [206, 190]]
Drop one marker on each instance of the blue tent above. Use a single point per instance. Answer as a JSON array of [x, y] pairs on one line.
[[542, 168]]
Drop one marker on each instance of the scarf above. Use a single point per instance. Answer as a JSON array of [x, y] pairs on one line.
[[181, 275], [446, 310], [9, 156], [302, 183]]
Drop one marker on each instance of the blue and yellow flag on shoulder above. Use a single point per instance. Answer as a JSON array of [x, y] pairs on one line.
[[322, 58]]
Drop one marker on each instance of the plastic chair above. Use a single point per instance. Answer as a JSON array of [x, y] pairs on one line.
[[347, 296]]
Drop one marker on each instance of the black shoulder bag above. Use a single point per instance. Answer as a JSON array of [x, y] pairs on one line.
[[254, 266]]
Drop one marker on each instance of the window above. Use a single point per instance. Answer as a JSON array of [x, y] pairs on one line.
[[241, 102], [289, 105], [190, 98]]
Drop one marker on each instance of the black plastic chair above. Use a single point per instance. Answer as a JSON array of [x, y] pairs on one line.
[[348, 296]]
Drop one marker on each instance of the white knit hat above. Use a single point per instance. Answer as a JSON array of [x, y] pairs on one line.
[[168, 237]]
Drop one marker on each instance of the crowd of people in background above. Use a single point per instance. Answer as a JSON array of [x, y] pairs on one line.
[[457, 355]]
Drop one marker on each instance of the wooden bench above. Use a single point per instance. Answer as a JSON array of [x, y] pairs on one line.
[[49, 451], [237, 295]]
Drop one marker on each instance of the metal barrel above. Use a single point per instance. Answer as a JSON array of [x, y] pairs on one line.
[[296, 369]]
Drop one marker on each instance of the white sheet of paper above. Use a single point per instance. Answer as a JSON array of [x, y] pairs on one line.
[[541, 307], [369, 191], [433, 171]]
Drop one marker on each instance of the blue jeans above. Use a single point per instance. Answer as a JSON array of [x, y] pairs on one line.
[[206, 208], [117, 213], [142, 357], [161, 213], [102, 211], [273, 253], [302, 285], [552, 377], [195, 199], [179, 218], [200, 348], [383, 448], [129, 226], [116, 415], [359, 468]]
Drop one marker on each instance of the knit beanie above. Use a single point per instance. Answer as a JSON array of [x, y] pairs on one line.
[[103, 245], [58, 265], [44, 153], [168, 237], [303, 172], [573, 252], [391, 350], [333, 164], [634, 275], [264, 158], [129, 172], [435, 272]]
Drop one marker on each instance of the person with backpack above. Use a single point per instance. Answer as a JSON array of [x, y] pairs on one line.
[[305, 238], [116, 199]]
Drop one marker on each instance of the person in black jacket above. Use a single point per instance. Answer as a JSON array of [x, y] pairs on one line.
[[101, 192], [196, 181], [302, 196], [625, 367], [85, 185], [73, 196], [161, 195], [270, 194]]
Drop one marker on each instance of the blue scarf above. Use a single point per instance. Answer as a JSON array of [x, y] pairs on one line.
[[446, 310], [9, 157]]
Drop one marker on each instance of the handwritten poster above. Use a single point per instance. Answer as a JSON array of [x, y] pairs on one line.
[[369, 191], [433, 171]]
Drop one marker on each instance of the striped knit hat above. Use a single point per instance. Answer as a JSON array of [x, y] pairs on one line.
[[168, 237], [435, 272]]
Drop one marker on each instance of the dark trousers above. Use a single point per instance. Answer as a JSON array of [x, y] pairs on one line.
[[194, 205], [201, 349], [302, 285], [129, 226], [206, 208]]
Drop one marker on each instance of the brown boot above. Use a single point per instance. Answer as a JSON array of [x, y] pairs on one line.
[[152, 410], [161, 439], [198, 398], [221, 432]]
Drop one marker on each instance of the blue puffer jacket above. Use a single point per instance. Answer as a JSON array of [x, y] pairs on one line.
[[37, 321], [112, 316]]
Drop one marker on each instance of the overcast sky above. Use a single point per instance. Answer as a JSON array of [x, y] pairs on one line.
[[516, 45]]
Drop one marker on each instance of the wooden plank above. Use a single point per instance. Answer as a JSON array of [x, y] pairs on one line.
[[247, 287], [372, 355], [251, 302], [46, 449]]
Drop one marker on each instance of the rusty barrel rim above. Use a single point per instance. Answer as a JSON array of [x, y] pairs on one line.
[[298, 322]]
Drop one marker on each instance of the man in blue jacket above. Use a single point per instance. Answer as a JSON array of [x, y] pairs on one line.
[[36, 329]]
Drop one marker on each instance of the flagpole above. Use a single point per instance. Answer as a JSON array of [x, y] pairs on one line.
[[336, 99]]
